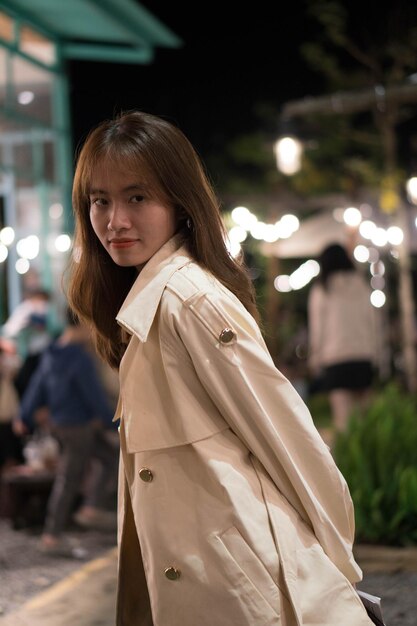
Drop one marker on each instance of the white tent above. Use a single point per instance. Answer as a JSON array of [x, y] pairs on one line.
[[317, 232], [314, 234]]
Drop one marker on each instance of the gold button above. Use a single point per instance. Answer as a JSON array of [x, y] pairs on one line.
[[172, 573], [227, 335], [146, 475]]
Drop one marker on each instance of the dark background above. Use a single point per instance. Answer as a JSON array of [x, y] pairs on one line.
[[237, 61], [234, 58]]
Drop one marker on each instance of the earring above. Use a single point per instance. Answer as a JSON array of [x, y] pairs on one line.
[[189, 223]]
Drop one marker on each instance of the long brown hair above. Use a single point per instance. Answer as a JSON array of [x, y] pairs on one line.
[[172, 169]]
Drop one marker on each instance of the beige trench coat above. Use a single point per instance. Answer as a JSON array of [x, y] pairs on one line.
[[232, 511]]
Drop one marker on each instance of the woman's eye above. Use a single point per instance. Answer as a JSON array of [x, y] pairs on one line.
[[137, 199], [98, 202]]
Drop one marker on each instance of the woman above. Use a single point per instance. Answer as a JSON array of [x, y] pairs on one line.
[[341, 334], [232, 510]]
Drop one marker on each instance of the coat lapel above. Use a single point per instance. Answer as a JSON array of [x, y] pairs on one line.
[[139, 308]]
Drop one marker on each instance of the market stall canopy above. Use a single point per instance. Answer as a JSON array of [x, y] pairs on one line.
[[320, 230], [121, 31], [314, 234]]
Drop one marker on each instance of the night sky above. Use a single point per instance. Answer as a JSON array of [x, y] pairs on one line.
[[232, 63], [211, 86]]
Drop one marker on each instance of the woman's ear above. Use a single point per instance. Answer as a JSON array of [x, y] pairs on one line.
[[182, 214], [182, 218]]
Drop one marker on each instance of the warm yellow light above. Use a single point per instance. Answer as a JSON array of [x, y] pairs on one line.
[[367, 229], [287, 225], [379, 237], [233, 247], [282, 283], [7, 235], [288, 152], [22, 266], [378, 298], [243, 217], [258, 231], [361, 254], [63, 243], [352, 216], [28, 248], [25, 97], [395, 235], [377, 268], [271, 233], [411, 187], [55, 211]]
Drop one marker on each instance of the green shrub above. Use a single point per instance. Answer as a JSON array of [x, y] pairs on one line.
[[378, 457], [319, 408]]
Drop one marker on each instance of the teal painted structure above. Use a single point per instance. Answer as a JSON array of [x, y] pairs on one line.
[[37, 37]]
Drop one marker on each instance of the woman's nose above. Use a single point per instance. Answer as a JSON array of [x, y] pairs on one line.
[[119, 219]]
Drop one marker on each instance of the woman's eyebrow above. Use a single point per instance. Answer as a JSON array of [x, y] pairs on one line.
[[96, 191], [132, 187]]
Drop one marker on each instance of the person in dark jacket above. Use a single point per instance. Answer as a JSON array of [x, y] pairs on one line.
[[66, 382]]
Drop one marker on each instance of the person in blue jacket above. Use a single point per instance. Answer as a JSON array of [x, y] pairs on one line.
[[67, 384]]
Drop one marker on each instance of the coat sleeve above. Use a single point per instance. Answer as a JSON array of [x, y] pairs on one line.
[[265, 411]]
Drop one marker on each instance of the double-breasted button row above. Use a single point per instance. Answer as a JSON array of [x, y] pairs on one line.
[[172, 573], [146, 475]]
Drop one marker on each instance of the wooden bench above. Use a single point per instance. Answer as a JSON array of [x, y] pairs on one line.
[[25, 494]]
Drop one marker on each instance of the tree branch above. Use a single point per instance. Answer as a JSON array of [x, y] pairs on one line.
[[351, 101]]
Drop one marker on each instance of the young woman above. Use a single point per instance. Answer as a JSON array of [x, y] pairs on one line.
[[342, 334], [232, 511]]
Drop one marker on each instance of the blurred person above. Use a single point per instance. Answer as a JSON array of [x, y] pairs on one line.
[[11, 446], [67, 384], [27, 327], [342, 343], [232, 510]]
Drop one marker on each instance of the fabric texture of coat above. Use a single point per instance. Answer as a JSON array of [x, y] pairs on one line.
[[232, 511]]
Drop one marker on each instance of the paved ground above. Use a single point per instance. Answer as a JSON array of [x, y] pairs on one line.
[[25, 574], [36, 590], [86, 597], [391, 574]]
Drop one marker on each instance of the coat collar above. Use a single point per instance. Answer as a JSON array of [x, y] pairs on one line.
[[139, 308]]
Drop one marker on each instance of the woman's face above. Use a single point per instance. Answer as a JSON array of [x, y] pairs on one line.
[[130, 224]]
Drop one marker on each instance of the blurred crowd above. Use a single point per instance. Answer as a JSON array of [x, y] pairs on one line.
[[57, 401]]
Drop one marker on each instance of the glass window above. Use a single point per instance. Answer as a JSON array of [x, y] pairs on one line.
[[23, 162], [49, 161], [29, 152], [33, 87], [28, 209], [6, 27], [37, 46], [3, 76], [9, 125]]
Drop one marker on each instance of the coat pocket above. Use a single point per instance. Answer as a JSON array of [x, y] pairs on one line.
[[325, 594], [249, 576]]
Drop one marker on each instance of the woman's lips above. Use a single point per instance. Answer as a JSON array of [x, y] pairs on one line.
[[122, 243]]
